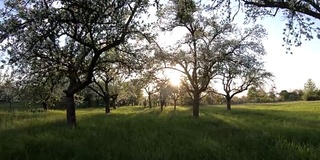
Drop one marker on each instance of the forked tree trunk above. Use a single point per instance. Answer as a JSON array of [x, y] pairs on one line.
[[71, 111], [196, 104]]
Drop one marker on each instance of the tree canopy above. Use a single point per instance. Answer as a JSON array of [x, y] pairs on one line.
[[69, 38]]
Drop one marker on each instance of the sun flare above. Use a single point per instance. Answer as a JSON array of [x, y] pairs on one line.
[[174, 77], [175, 81]]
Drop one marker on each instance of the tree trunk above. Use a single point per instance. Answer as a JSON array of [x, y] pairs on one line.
[[113, 104], [161, 105], [45, 106], [145, 103], [149, 98], [89, 103], [97, 102], [11, 106], [228, 103], [175, 105], [196, 104], [107, 104], [113, 101], [71, 110]]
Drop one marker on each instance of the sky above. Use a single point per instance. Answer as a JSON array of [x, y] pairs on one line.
[[291, 71]]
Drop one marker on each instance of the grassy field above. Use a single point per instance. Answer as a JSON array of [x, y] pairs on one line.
[[253, 131]]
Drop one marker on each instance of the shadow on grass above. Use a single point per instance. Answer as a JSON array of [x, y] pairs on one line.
[[298, 118], [139, 133], [297, 126], [115, 136]]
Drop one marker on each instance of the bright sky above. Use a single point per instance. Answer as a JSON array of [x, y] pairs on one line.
[[291, 70]]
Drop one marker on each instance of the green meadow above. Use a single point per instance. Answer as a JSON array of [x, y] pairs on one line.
[[252, 131]]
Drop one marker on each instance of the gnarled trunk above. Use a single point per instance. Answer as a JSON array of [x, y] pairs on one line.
[[71, 110]]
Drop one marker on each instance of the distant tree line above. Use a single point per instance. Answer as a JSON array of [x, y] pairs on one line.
[[309, 93], [259, 95]]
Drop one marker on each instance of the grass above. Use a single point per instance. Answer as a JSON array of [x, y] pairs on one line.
[[253, 131]]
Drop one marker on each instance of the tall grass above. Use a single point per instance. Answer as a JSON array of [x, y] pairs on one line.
[[264, 131]]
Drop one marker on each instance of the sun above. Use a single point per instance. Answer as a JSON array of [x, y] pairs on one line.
[[174, 77], [175, 81]]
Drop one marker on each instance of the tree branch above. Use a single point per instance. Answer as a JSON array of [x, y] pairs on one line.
[[285, 5]]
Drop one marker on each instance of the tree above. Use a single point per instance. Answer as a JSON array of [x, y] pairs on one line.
[[310, 91], [112, 75], [103, 90], [164, 92], [150, 87], [300, 16], [8, 89], [243, 68], [101, 85], [257, 95], [202, 47], [186, 97], [252, 95], [290, 96], [88, 96], [284, 95], [293, 96], [299, 93], [175, 95], [272, 94], [35, 89], [130, 92], [68, 37], [150, 90]]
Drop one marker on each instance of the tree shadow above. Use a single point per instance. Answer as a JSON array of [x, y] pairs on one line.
[[290, 124], [149, 134], [278, 115]]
